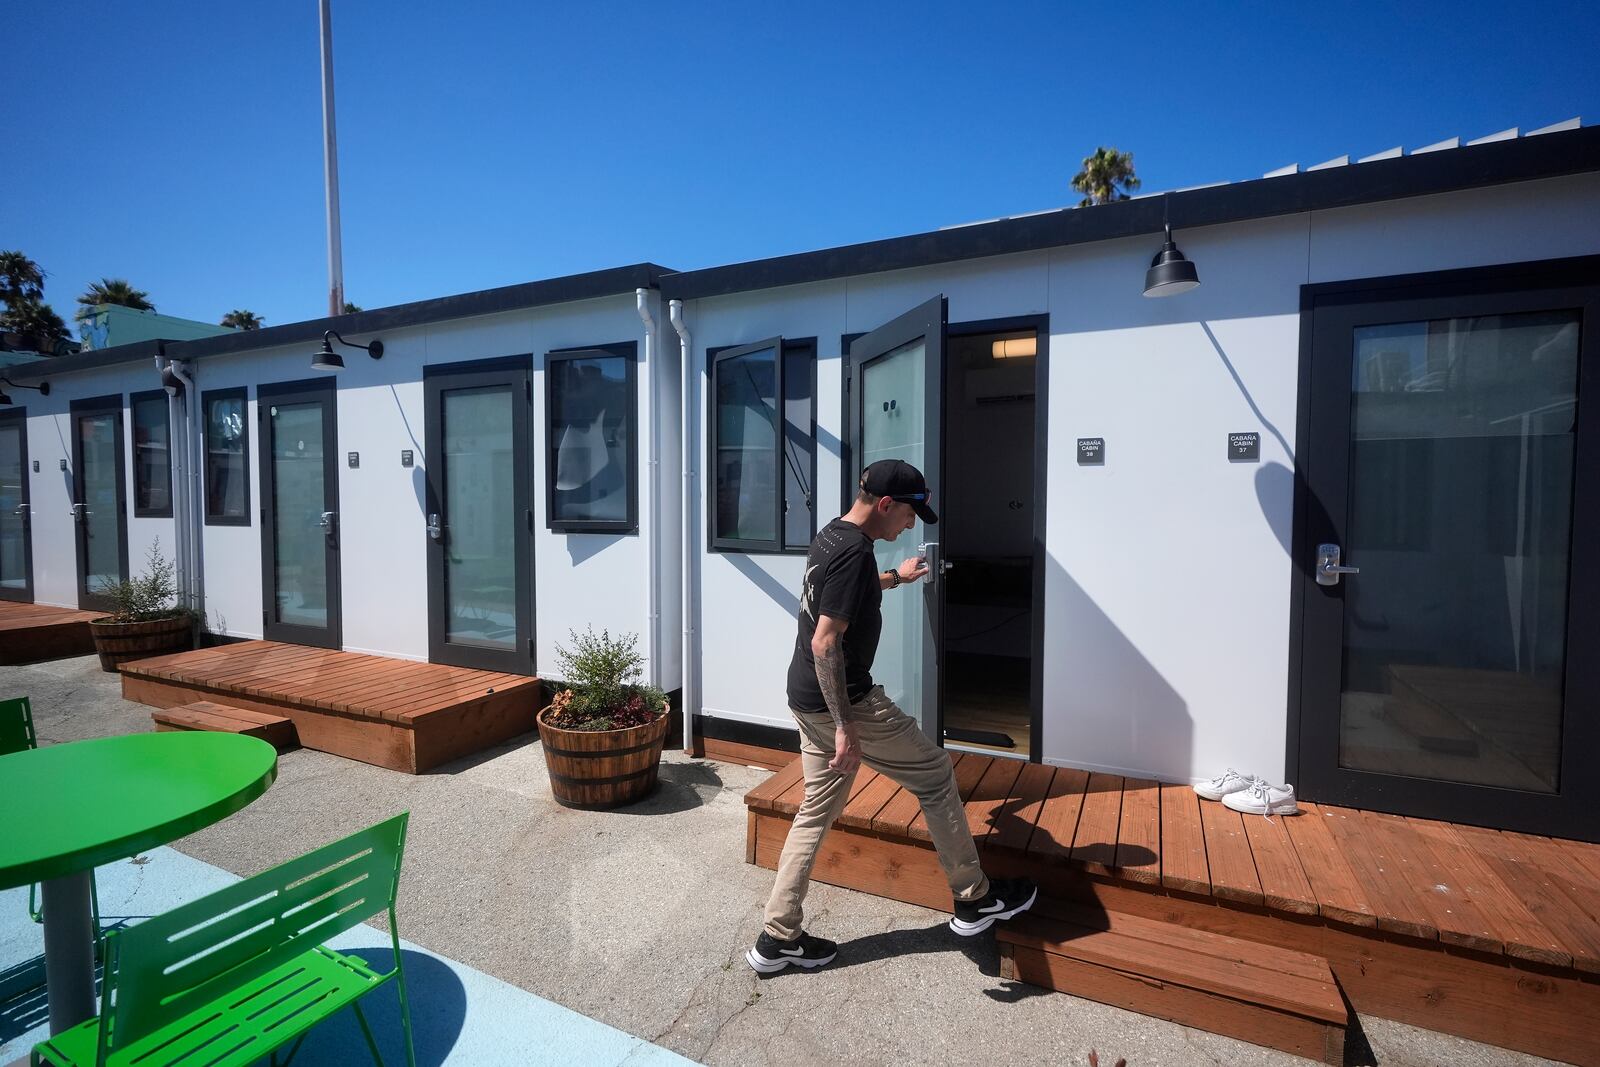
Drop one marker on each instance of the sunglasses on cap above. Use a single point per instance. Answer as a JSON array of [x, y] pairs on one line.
[[912, 498]]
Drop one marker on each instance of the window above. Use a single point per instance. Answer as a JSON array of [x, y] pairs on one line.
[[763, 449], [152, 456], [592, 474], [227, 445]]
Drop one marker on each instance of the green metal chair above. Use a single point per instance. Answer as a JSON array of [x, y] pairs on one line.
[[235, 976], [16, 735]]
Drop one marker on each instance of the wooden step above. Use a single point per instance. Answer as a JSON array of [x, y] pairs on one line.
[[224, 718], [1269, 996]]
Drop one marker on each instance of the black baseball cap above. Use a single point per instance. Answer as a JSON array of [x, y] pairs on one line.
[[899, 480]]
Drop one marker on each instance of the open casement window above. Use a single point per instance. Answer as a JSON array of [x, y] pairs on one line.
[[592, 480], [227, 442], [152, 455], [763, 466]]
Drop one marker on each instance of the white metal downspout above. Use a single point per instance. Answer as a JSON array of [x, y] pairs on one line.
[[176, 488], [652, 488], [196, 503], [691, 654]]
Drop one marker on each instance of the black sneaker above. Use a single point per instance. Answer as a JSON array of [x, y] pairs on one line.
[[1007, 897], [771, 955]]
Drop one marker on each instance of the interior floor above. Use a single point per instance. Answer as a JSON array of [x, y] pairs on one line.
[[986, 705]]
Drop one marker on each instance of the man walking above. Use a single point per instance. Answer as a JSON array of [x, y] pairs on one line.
[[845, 720]]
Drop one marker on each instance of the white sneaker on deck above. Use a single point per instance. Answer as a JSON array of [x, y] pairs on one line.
[[1230, 781], [1263, 798]]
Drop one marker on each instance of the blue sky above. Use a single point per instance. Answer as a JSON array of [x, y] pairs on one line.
[[178, 144]]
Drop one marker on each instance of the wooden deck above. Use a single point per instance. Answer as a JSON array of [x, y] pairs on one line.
[[389, 712], [1488, 935], [33, 632]]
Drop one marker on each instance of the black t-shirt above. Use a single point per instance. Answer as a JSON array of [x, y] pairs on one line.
[[841, 580]]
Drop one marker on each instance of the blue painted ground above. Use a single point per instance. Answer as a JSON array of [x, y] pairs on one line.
[[458, 1015]]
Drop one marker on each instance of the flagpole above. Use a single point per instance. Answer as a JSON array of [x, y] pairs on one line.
[[330, 167]]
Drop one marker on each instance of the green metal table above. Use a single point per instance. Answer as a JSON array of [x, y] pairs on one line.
[[66, 809]]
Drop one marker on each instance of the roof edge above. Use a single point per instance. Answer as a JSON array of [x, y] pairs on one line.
[[1549, 155], [612, 281]]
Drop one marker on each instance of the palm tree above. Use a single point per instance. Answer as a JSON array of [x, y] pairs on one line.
[[1106, 176], [20, 278], [351, 309], [112, 291], [242, 320]]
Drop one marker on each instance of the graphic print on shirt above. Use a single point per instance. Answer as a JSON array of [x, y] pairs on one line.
[[808, 595]]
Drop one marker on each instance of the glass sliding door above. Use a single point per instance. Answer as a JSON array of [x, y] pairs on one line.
[[1445, 675], [300, 498], [896, 376], [16, 547], [99, 499], [479, 520]]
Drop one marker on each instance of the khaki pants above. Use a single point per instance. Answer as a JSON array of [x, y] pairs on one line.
[[893, 745]]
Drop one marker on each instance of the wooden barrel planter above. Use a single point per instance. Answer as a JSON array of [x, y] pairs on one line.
[[596, 769], [119, 642]]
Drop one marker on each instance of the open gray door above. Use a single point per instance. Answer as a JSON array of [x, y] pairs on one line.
[[896, 380]]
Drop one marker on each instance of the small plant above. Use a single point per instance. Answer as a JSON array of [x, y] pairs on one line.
[[149, 596], [602, 692]]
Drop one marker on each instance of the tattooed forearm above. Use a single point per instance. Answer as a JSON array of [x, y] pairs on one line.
[[830, 676]]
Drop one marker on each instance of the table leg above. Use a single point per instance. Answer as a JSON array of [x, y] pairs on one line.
[[69, 950]]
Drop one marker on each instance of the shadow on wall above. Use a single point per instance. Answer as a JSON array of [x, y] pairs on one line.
[[1119, 711], [582, 546], [776, 592]]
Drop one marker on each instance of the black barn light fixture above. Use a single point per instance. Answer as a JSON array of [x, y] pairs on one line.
[[327, 359], [1170, 271], [43, 389]]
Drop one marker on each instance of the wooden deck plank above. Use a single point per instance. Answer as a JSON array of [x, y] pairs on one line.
[[1466, 869], [970, 770], [1015, 820], [1283, 880], [1183, 843], [1094, 846], [986, 806], [1139, 832], [1338, 892], [903, 809], [761, 796], [1233, 865], [1057, 824], [1549, 896], [867, 801], [1394, 907], [1447, 896]]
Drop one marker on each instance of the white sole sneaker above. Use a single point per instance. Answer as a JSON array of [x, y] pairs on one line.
[[969, 929], [760, 963], [1265, 800]]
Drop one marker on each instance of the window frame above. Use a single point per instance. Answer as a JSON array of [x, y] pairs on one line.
[[134, 400], [241, 393], [628, 351], [779, 544]]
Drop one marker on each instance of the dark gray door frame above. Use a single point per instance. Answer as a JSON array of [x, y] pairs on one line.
[[18, 417], [515, 374], [81, 409], [321, 391], [1329, 313]]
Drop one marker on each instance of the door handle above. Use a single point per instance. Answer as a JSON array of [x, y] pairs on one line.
[[435, 531], [22, 511], [79, 511], [328, 521], [1328, 566], [929, 551]]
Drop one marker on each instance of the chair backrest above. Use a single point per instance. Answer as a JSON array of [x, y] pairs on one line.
[[165, 967], [16, 726]]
